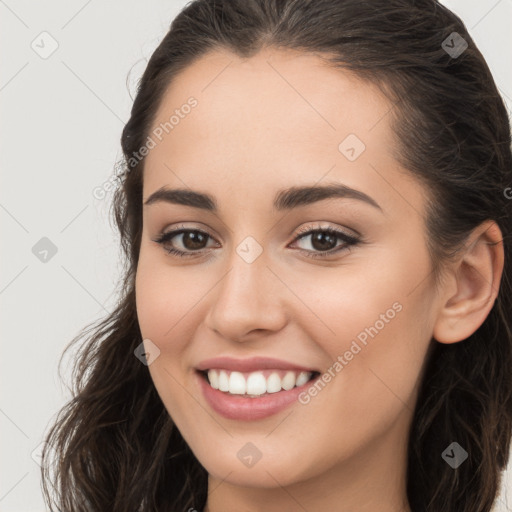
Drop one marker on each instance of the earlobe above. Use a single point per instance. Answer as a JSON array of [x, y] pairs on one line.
[[476, 278]]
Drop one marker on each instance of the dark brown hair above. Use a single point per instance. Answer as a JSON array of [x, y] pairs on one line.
[[118, 449]]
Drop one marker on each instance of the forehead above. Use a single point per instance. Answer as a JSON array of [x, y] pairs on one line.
[[288, 92], [280, 117]]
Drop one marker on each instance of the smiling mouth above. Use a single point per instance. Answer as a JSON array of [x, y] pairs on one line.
[[257, 383]]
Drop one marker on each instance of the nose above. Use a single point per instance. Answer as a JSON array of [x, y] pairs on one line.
[[249, 301]]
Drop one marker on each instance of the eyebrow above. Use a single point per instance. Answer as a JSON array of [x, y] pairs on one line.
[[285, 199]]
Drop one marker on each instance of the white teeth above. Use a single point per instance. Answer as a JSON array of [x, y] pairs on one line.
[[303, 378], [255, 384], [289, 381], [223, 381], [273, 383], [237, 384], [214, 379]]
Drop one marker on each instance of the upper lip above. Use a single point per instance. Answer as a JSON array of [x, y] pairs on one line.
[[250, 365]]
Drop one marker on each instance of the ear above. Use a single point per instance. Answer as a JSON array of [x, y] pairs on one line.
[[472, 286]]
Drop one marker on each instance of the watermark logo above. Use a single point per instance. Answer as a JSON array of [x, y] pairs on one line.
[[351, 147], [454, 45], [454, 455], [249, 454], [45, 45], [249, 249], [146, 352], [44, 250]]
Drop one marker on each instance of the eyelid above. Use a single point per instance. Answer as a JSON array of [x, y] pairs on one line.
[[348, 241], [175, 231], [350, 233]]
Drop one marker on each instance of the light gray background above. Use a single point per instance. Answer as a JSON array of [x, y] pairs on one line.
[[61, 121]]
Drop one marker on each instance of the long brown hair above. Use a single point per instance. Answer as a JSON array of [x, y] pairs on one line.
[[117, 447]]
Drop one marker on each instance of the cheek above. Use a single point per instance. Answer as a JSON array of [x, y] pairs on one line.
[[162, 299], [382, 347], [353, 302], [164, 296], [155, 303], [375, 327], [378, 380]]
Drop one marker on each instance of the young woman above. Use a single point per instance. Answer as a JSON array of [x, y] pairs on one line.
[[316, 215]]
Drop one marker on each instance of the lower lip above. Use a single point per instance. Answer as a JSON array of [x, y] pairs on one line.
[[240, 407]]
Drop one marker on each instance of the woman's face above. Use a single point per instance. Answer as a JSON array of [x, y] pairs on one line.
[[361, 315]]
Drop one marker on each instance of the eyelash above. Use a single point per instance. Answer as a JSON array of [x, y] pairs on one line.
[[302, 233]]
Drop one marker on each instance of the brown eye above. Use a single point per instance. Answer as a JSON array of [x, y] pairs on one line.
[[323, 241], [193, 240], [190, 241]]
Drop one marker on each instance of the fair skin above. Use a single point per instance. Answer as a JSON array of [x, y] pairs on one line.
[[262, 124]]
